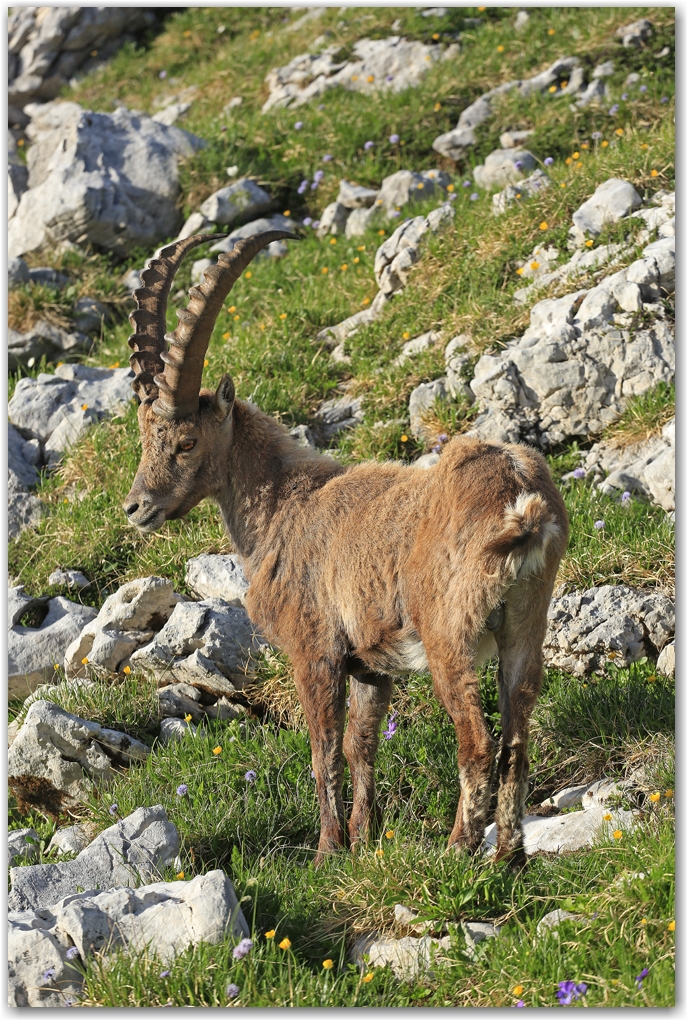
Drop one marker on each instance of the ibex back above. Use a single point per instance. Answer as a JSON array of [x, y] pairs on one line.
[[368, 572]]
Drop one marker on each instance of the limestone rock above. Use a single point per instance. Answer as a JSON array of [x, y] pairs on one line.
[[17, 272], [502, 167], [276, 249], [43, 340], [355, 196], [167, 917], [333, 219], [636, 33], [604, 792], [458, 365], [208, 644], [422, 399], [417, 346], [513, 139], [339, 413], [128, 620], [173, 730], [393, 63], [519, 192], [240, 201], [33, 652], [551, 922], [566, 832], [71, 578], [409, 186], [571, 796], [646, 468], [585, 626], [334, 335], [19, 846], [70, 839], [90, 314], [398, 254], [410, 958], [56, 756], [195, 224], [128, 853], [583, 261], [212, 575], [111, 179], [666, 660], [426, 461], [476, 932], [611, 201]]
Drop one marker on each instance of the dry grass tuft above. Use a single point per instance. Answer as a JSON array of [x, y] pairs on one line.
[[276, 695]]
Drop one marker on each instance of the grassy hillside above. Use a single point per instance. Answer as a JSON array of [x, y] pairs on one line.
[[264, 835]]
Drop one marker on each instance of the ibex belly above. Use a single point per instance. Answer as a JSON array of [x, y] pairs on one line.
[[408, 655]]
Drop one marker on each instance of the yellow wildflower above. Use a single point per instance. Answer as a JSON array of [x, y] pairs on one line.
[[285, 944], [520, 271], [568, 161], [56, 666], [435, 36], [420, 186], [327, 964], [206, 363], [66, 501], [232, 308], [282, 315], [344, 267], [254, 35], [643, 146], [365, 301], [620, 131], [324, 270], [564, 84], [617, 834], [361, 247], [356, 260], [383, 232], [368, 977], [518, 990], [20, 141], [668, 794], [261, 326], [84, 661], [406, 335], [404, 439], [248, 274], [576, 155], [84, 407], [370, 77], [236, 318], [552, 31], [354, 78], [451, 188], [671, 926], [379, 852], [217, 750], [543, 225], [270, 934], [654, 797], [180, 875], [188, 717], [564, 185], [643, 921], [654, 173], [332, 240], [589, 244], [500, 49], [127, 670], [534, 265], [437, 106], [390, 832], [552, 88], [607, 817], [287, 212], [604, 144]]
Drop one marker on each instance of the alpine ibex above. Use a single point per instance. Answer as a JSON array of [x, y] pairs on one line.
[[368, 571]]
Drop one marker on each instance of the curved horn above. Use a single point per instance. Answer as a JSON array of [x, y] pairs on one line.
[[179, 383], [149, 319]]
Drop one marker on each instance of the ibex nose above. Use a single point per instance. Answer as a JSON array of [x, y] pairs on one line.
[[131, 509]]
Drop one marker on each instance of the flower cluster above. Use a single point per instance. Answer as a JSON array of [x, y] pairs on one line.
[[391, 727], [443, 438], [242, 949], [568, 990]]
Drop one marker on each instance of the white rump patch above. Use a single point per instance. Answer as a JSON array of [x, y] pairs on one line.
[[533, 558]]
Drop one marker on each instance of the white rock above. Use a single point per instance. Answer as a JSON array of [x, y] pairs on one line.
[[212, 575], [427, 460], [128, 620], [339, 413], [276, 249], [408, 186], [171, 114], [422, 399], [566, 832], [355, 196], [210, 645], [238, 202], [174, 730], [417, 346], [409, 958], [125, 158], [360, 220], [521, 19], [198, 268], [43, 340], [585, 627], [521, 191], [512, 139], [17, 272], [476, 932], [611, 201], [56, 756], [636, 33], [70, 839], [19, 846], [604, 792], [333, 219], [666, 660], [71, 578], [195, 224], [551, 922], [646, 468], [39, 972], [33, 652], [502, 167]]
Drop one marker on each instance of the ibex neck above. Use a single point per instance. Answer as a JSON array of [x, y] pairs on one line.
[[266, 470]]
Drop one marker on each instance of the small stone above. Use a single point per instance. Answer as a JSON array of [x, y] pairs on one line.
[[666, 660], [68, 578], [174, 730], [19, 846], [236, 203]]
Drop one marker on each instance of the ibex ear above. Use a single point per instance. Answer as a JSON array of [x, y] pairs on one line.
[[224, 397]]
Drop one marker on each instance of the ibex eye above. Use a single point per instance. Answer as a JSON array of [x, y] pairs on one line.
[[187, 444]]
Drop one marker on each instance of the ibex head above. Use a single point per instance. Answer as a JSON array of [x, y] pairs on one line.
[[185, 431]]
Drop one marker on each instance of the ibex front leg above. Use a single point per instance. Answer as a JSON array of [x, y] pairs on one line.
[[321, 687], [370, 695]]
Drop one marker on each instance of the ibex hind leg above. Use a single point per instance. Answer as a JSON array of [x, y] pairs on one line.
[[370, 694], [519, 642], [321, 688], [456, 686]]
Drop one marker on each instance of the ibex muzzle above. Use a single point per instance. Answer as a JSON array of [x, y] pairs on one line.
[[367, 572]]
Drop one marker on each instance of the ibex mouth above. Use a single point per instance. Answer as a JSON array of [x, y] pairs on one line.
[[152, 522]]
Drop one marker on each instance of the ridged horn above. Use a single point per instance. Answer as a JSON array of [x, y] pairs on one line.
[[149, 318], [179, 383]]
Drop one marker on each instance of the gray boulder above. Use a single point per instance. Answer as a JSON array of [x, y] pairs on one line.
[[174, 730], [646, 468], [56, 757], [519, 192], [19, 846], [70, 839], [458, 365], [46, 276], [417, 345], [333, 220], [611, 201], [408, 186], [128, 620], [71, 578], [502, 167], [33, 652], [339, 413], [514, 139], [215, 576], [584, 627], [355, 196], [110, 179], [210, 645], [165, 918], [240, 201], [666, 660], [276, 249], [422, 399], [567, 832], [195, 224], [360, 220], [90, 315], [17, 272], [43, 339], [636, 33], [129, 853], [399, 253], [409, 958], [335, 335]]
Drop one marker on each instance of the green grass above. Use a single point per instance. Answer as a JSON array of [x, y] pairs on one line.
[[614, 723]]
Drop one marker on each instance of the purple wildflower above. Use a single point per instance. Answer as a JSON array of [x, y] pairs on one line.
[[243, 949], [250, 776], [394, 213], [599, 525], [474, 196], [394, 139], [318, 175], [626, 498], [162, 75], [549, 161], [182, 790], [443, 438], [368, 145], [165, 973], [391, 726], [640, 977], [437, 448], [298, 125], [113, 809], [321, 106], [643, 88], [624, 96], [519, 1004], [664, 99], [579, 472], [49, 974], [389, 77], [314, 186], [614, 109], [232, 991], [466, 184], [327, 158], [72, 953], [312, 773], [69, 1002], [315, 224], [307, 221], [597, 136], [568, 990], [302, 187], [452, 197], [518, 164]]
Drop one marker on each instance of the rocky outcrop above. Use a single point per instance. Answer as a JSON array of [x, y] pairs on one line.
[[215, 576], [611, 623], [611, 202], [109, 179], [34, 651], [43, 340], [394, 63], [568, 832], [646, 468], [56, 757]]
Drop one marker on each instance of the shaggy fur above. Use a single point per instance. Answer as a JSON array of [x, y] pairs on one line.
[[372, 571]]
